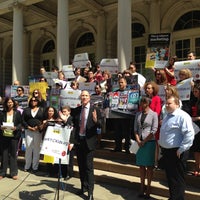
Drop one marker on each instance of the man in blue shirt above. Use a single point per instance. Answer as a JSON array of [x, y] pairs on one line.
[[176, 136]]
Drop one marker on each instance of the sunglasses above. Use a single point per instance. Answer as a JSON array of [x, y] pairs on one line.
[[35, 92], [19, 90], [34, 100]]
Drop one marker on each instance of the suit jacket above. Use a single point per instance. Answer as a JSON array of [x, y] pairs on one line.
[[17, 120], [91, 126]]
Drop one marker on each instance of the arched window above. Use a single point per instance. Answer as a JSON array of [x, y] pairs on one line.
[[188, 20], [48, 47], [137, 30], [86, 39]]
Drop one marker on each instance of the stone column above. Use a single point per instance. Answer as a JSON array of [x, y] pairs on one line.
[[17, 49], [124, 46], [62, 34], [100, 50], [154, 16]]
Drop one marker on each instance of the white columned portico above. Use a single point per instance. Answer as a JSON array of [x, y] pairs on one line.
[[155, 16], [17, 50], [100, 50], [124, 46], [62, 34]]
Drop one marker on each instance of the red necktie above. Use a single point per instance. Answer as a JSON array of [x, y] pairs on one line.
[[82, 124]]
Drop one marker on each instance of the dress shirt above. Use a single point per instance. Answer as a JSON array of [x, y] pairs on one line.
[[177, 131], [87, 108]]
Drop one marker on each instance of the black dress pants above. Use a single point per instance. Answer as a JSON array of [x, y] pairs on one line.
[[174, 168], [9, 156], [85, 164]]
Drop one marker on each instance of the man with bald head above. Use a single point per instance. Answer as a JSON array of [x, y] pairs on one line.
[[87, 119]]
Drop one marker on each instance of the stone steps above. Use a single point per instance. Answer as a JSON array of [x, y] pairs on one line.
[[119, 168]]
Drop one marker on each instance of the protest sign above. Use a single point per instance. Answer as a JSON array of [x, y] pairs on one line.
[[89, 86], [41, 86], [81, 60], [70, 97], [158, 50], [184, 89], [192, 65], [110, 65], [50, 76], [68, 71], [56, 141]]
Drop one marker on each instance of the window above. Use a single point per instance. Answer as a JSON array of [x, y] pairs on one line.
[[85, 40], [137, 30], [188, 20], [48, 47], [182, 47]]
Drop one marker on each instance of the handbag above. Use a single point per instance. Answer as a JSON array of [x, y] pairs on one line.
[[133, 147]]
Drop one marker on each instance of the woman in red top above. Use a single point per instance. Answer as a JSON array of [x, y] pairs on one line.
[[169, 70], [151, 90]]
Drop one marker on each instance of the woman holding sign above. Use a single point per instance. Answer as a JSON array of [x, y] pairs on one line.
[[10, 120]]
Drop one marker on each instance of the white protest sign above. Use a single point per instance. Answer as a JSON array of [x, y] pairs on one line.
[[89, 86], [70, 97], [68, 71], [192, 65], [184, 89], [56, 141], [110, 65], [80, 60], [50, 76]]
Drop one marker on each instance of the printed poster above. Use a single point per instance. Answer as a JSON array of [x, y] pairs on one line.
[[158, 50], [55, 143]]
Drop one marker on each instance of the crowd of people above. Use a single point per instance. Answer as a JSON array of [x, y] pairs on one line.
[[158, 127]]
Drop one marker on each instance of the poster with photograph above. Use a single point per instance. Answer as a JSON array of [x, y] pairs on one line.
[[158, 50]]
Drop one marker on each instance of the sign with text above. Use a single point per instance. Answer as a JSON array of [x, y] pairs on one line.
[[56, 141]]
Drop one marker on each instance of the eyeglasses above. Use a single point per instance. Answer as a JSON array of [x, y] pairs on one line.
[[19, 90]]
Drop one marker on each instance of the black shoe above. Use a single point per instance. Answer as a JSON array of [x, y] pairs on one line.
[[81, 191], [117, 150], [90, 197]]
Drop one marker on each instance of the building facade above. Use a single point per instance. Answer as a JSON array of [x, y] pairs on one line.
[[50, 32]]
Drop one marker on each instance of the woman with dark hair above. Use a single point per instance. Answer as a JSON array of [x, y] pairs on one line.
[[10, 137], [145, 127], [169, 70], [32, 118], [50, 117], [37, 94]]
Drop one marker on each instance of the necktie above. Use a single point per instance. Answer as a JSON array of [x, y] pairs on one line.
[[82, 124]]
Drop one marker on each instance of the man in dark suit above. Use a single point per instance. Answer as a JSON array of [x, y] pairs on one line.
[[87, 119]]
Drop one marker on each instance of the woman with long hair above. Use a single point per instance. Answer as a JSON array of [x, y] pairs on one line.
[[37, 94], [32, 118], [9, 138]]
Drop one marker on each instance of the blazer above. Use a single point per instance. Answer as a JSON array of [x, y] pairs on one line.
[[150, 124], [17, 120], [29, 120], [91, 126]]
